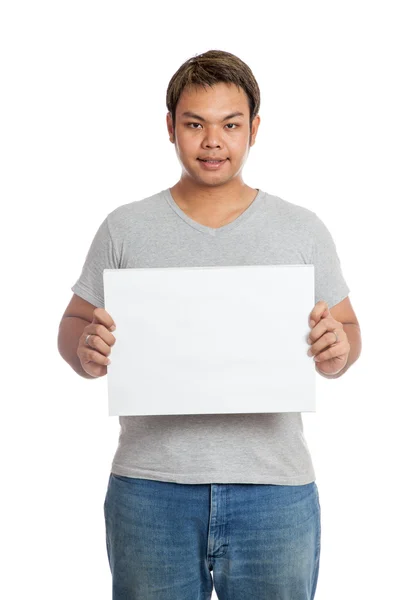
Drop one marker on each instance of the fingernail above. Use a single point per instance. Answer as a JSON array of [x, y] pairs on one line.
[[113, 328]]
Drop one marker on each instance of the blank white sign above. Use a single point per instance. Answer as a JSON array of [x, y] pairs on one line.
[[204, 340]]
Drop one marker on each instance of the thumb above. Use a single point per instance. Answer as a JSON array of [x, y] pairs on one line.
[[323, 315], [100, 315]]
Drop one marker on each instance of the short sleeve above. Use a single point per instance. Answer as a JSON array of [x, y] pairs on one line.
[[330, 284], [101, 255]]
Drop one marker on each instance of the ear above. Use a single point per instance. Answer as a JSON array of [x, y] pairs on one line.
[[170, 127], [254, 128]]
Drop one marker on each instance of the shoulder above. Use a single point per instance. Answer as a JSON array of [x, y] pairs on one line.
[[295, 214], [137, 211]]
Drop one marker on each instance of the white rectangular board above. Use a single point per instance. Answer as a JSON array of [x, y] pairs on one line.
[[210, 340]]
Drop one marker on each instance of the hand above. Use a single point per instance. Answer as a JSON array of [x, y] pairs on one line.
[[94, 354], [330, 356]]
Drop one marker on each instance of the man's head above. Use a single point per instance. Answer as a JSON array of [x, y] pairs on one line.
[[213, 86]]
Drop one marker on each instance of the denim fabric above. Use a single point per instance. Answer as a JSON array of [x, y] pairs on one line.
[[171, 541]]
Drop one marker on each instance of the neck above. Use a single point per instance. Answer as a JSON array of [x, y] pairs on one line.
[[212, 199]]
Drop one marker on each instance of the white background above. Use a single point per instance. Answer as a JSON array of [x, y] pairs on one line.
[[83, 131]]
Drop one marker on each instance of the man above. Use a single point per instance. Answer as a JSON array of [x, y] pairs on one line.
[[231, 494]]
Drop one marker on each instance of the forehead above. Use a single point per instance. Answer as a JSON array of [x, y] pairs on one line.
[[222, 98]]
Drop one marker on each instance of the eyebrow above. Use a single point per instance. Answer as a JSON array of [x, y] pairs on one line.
[[199, 118]]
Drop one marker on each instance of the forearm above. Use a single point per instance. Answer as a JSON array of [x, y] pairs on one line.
[[354, 336], [69, 332]]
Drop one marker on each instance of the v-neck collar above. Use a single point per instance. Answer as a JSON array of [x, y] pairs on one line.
[[211, 230]]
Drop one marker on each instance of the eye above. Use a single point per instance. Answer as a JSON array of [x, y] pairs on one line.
[[189, 124]]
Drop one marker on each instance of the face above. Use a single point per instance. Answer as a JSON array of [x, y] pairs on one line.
[[211, 134]]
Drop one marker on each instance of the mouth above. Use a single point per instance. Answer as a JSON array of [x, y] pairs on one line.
[[212, 159], [212, 164]]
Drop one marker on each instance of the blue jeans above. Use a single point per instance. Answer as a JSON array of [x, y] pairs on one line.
[[261, 541]]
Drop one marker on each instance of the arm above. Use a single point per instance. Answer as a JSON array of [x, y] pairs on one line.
[[77, 315], [69, 333]]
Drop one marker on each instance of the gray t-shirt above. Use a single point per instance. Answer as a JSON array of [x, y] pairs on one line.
[[262, 448]]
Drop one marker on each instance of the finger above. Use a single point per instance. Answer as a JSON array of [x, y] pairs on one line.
[[100, 315], [318, 319], [339, 349], [317, 312], [324, 341], [94, 369], [325, 324], [89, 355], [100, 338]]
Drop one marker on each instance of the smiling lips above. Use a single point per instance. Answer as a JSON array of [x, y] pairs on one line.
[[212, 159], [214, 164]]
